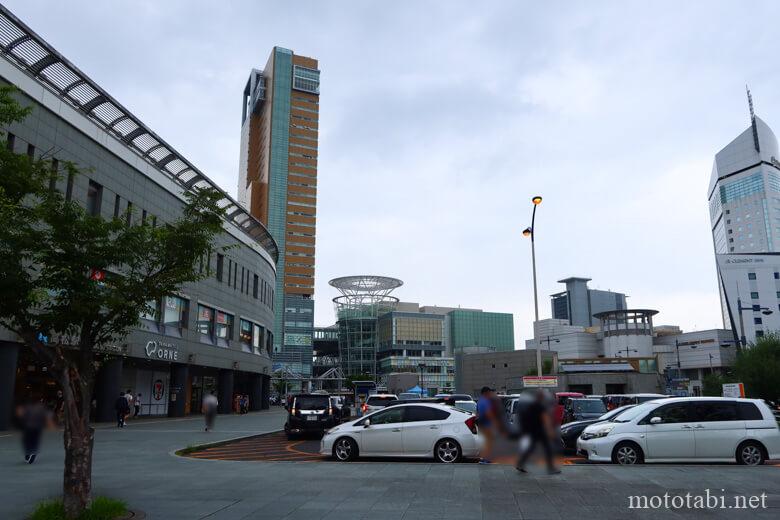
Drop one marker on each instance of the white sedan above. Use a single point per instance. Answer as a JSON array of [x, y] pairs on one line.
[[701, 429], [409, 430]]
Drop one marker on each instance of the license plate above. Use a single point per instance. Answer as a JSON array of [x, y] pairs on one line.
[[311, 418]]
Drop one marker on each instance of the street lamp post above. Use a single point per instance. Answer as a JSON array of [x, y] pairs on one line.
[[530, 232], [556, 340], [766, 311]]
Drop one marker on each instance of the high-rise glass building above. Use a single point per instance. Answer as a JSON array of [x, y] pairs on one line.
[[278, 185], [744, 194]]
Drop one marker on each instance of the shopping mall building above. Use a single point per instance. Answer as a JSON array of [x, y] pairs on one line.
[[213, 335]]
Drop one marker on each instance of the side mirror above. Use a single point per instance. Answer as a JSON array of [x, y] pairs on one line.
[[656, 420], [366, 423]]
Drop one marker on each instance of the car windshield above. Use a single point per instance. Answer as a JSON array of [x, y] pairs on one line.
[[469, 406], [311, 402], [634, 412], [588, 406], [379, 401], [610, 415]]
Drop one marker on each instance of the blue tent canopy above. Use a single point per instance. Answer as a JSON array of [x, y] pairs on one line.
[[415, 390]]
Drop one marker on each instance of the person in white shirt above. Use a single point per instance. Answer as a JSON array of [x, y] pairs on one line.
[[137, 405], [130, 402], [210, 404]]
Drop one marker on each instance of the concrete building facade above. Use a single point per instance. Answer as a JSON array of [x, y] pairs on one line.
[[578, 303], [212, 335]]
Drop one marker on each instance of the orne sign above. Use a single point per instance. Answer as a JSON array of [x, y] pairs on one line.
[[161, 350]]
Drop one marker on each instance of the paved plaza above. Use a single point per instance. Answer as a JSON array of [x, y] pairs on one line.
[[137, 464]]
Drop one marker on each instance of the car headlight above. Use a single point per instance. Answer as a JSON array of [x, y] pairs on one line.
[[596, 434]]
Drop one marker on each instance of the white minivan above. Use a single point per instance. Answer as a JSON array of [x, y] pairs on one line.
[[697, 429]]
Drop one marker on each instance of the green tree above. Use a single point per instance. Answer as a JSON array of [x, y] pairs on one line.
[[758, 367], [547, 366], [50, 248], [712, 384], [349, 382]]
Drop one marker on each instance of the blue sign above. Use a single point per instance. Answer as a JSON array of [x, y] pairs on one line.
[[43, 339]]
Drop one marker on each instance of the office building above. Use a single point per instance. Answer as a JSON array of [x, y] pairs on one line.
[[278, 185], [214, 334], [751, 284], [578, 303], [476, 330], [744, 195]]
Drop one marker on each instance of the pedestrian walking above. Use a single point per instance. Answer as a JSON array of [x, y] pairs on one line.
[[130, 402], [209, 410], [122, 408], [487, 422], [33, 418], [137, 404], [538, 429]]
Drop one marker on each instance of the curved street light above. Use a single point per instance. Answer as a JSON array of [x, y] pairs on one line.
[[530, 232]]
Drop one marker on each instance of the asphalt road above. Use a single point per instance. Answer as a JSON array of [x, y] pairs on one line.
[[138, 464]]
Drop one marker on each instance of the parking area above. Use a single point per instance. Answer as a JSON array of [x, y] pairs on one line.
[[275, 447]]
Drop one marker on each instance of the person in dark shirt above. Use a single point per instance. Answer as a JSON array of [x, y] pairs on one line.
[[122, 408], [33, 418], [536, 423]]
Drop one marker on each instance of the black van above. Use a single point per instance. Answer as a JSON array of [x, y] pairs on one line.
[[310, 413]]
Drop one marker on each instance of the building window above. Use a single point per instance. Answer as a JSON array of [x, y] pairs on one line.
[[220, 266], [117, 202], [205, 323], [30, 151], [757, 321], [777, 276], [754, 295], [245, 332], [175, 315], [129, 213], [759, 333], [258, 337], [143, 217], [10, 141], [150, 316], [69, 187], [254, 286], [224, 328], [94, 198], [55, 167], [751, 276]]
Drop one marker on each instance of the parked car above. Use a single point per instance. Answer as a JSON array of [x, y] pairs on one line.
[[377, 402], [468, 406], [309, 413], [561, 398], [571, 431], [407, 430], [582, 409], [455, 397], [706, 429], [340, 407], [613, 401]]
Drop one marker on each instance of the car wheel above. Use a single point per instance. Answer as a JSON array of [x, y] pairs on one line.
[[750, 453], [447, 451], [627, 454], [345, 449]]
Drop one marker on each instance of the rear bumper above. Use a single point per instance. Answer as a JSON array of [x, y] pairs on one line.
[[298, 425]]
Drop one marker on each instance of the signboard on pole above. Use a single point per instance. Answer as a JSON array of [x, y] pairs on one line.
[[540, 381], [733, 390]]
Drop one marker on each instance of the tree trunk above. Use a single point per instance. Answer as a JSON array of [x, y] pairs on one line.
[[77, 482], [78, 438]]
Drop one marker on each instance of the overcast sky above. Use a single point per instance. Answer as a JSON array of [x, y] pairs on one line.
[[440, 120]]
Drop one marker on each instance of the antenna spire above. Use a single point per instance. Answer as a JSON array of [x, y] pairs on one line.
[[753, 119]]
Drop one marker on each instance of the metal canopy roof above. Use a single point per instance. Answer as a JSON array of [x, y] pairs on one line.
[[36, 57]]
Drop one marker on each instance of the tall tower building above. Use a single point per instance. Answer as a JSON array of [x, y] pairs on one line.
[[744, 194], [278, 185]]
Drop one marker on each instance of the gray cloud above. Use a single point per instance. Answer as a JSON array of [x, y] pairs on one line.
[[439, 120]]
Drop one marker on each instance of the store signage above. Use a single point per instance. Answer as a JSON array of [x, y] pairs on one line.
[[540, 381], [733, 390], [158, 390], [297, 339], [161, 350]]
